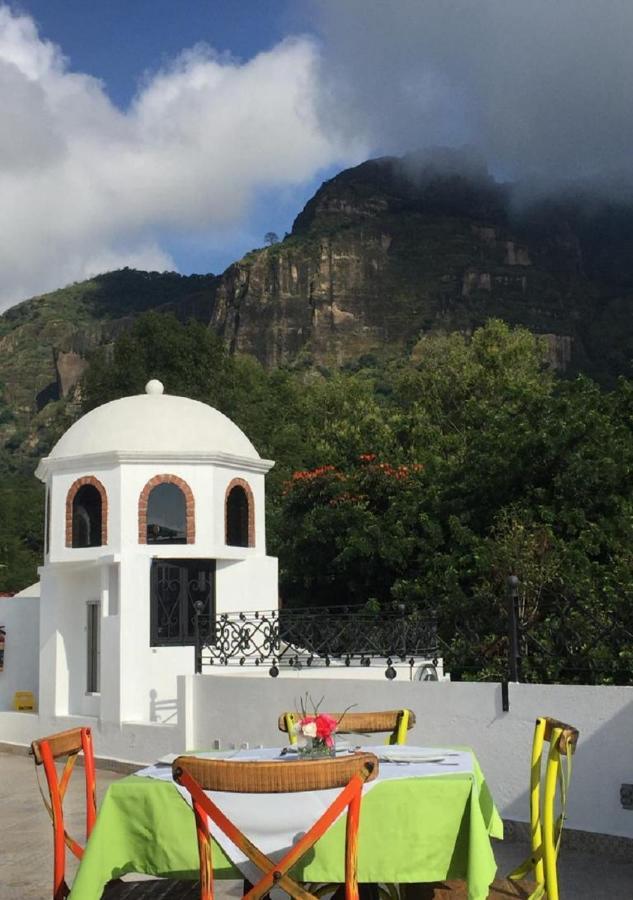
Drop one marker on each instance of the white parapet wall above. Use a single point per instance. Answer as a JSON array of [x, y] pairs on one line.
[[239, 709], [233, 709], [19, 615], [130, 742]]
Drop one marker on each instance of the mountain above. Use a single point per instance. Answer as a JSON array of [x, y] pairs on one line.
[[44, 343], [386, 251], [382, 254]]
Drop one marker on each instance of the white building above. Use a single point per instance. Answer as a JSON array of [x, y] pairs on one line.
[[153, 502], [155, 505]]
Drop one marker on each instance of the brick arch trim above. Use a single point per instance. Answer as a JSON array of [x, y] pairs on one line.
[[190, 506], [240, 482], [70, 496]]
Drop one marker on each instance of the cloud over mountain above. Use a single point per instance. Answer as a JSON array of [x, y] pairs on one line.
[[541, 88], [86, 186]]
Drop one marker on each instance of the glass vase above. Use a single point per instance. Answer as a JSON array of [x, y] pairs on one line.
[[316, 748]]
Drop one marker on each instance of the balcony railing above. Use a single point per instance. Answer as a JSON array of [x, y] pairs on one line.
[[323, 637]]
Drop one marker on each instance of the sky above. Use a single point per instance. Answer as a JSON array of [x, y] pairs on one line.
[[173, 134]]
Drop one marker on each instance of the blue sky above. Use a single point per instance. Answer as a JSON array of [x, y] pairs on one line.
[[119, 40], [122, 42], [173, 134]]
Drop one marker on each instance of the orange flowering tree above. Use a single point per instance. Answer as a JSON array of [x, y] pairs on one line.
[[350, 533]]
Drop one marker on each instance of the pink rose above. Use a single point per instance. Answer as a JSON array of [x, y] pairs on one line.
[[325, 727]]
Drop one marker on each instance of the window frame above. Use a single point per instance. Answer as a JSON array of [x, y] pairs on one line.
[[93, 647], [185, 637], [250, 523], [190, 507], [70, 498]]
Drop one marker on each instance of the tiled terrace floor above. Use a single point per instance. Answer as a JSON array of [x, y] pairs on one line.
[[26, 845]]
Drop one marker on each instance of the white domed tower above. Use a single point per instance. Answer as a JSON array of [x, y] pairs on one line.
[[153, 502]]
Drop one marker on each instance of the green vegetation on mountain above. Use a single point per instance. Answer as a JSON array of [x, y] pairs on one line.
[[442, 450]]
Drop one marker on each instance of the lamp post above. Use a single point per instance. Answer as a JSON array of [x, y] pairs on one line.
[[198, 607]]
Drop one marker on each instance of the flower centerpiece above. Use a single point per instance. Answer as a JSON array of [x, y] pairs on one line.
[[314, 732]]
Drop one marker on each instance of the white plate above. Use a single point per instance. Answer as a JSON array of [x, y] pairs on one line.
[[168, 758], [404, 753]]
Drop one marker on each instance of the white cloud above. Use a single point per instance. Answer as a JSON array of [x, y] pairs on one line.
[[87, 186]]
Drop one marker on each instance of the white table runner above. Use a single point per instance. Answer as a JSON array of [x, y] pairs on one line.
[[274, 822]]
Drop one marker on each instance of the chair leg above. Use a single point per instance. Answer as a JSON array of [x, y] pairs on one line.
[[247, 886]]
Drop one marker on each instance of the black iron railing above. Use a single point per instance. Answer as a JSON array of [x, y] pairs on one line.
[[571, 642], [568, 642], [334, 636]]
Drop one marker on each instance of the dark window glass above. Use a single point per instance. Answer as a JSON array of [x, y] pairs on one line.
[[237, 517], [175, 586], [94, 649], [166, 515], [87, 517]]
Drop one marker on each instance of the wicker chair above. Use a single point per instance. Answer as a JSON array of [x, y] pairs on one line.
[[545, 827], [395, 722], [348, 773]]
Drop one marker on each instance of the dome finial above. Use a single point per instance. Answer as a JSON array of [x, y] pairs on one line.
[[154, 387]]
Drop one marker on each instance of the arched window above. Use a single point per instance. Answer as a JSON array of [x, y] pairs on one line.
[[240, 518], [166, 515], [87, 509], [166, 512], [86, 513]]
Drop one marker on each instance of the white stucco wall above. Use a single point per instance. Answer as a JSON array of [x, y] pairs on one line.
[[233, 710], [138, 682], [123, 485], [66, 591], [238, 709], [137, 742], [246, 585], [59, 484], [20, 616]]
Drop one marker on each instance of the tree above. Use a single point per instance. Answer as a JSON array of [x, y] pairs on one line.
[[428, 481], [351, 533], [21, 531], [188, 358], [271, 237]]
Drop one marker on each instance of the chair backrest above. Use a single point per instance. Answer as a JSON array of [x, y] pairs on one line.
[[255, 777], [546, 787], [45, 751], [394, 721]]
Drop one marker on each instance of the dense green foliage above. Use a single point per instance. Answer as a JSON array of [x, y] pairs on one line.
[[428, 482], [21, 531]]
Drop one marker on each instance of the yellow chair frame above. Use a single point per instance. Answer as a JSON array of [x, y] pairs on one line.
[[395, 721], [546, 828]]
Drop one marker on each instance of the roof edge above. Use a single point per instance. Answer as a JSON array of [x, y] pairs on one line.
[[49, 464]]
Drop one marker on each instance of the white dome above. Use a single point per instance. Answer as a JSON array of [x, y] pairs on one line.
[[154, 423]]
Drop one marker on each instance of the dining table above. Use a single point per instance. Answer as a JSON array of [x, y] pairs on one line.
[[428, 816]]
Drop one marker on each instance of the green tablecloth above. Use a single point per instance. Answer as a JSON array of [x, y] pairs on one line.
[[411, 830]]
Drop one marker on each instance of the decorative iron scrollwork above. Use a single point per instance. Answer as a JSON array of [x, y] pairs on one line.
[[325, 636]]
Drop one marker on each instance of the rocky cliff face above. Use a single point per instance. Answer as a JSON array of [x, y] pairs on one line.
[[374, 259], [45, 344], [381, 254]]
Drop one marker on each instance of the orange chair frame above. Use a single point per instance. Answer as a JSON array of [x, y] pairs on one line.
[[255, 777], [45, 751]]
